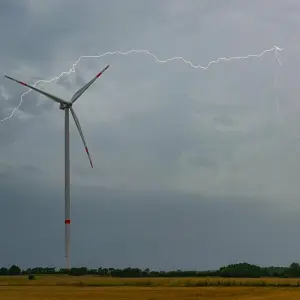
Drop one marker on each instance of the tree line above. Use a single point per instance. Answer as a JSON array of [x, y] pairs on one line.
[[242, 270]]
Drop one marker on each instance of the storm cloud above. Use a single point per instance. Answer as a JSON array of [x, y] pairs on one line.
[[203, 163]]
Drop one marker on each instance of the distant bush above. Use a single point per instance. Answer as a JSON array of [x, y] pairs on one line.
[[31, 277]]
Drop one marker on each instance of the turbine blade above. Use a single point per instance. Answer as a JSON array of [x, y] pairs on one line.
[[85, 87], [81, 134], [54, 98]]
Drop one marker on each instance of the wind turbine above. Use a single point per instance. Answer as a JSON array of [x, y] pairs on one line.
[[67, 106]]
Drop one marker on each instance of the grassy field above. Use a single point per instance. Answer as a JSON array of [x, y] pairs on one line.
[[92, 287]]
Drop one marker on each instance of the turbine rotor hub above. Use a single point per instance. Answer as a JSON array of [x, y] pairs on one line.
[[64, 106]]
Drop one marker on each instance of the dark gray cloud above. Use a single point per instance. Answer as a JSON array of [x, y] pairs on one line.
[[185, 159], [158, 229], [122, 228]]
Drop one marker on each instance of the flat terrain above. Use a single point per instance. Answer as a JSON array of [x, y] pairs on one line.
[[93, 287]]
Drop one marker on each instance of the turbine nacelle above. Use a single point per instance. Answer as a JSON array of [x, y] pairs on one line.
[[63, 106]]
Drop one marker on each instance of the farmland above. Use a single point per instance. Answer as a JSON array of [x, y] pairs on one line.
[[107, 288]]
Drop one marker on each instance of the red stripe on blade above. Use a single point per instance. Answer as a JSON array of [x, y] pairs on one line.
[[67, 221], [23, 83], [98, 75]]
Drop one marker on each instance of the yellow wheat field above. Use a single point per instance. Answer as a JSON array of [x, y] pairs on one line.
[[93, 287]]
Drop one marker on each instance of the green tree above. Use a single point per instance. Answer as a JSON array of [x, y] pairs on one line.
[[3, 271], [14, 270], [241, 270], [292, 271]]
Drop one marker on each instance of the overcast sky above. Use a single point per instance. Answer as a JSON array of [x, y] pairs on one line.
[[193, 168]]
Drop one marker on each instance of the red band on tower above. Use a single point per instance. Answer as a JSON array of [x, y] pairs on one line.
[[67, 221]]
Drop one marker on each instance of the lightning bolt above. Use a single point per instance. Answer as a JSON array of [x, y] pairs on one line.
[[276, 80], [275, 49]]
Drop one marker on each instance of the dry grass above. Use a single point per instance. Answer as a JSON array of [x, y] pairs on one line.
[[96, 281], [92, 287]]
